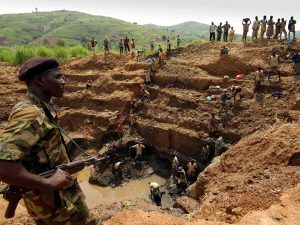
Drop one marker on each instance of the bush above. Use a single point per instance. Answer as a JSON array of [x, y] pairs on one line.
[[23, 54], [18, 55], [42, 51], [60, 43], [61, 54], [6, 55], [79, 51]]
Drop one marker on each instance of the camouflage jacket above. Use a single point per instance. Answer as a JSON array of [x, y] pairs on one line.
[[31, 138]]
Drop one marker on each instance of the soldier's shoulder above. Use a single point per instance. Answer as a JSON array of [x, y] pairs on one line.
[[26, 111]]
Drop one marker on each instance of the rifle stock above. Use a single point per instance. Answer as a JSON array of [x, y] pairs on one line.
[[14, 194]]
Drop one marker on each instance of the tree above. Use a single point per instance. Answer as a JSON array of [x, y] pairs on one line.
[[83, 40], [164, 37], [46, 42], [60, 42]]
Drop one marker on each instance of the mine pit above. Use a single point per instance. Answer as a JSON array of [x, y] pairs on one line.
[[257, 169]]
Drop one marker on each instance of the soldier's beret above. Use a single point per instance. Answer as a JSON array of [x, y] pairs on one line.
[[37, 66]]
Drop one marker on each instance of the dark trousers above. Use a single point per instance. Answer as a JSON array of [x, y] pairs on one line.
[[127, 49], [219, 35], [225, 36], [212, 36], [121, 50]]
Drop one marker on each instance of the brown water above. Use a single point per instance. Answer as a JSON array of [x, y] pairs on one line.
[[96, 195]]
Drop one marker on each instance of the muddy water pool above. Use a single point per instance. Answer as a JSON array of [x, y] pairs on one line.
[[96, 195]]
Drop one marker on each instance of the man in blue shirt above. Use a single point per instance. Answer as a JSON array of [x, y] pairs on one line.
[[296, 60], [224, 97]]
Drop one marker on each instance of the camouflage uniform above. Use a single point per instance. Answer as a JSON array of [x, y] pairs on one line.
[[31, 138]]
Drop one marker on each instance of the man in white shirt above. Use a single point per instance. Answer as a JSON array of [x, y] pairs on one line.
[[212, 31]]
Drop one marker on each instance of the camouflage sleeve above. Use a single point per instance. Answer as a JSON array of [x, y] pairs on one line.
[[24, 129]]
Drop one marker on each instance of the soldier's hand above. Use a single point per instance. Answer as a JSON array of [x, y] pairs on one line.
[[60, 180]]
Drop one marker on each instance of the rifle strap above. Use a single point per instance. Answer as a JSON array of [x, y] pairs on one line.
[[62, 131]]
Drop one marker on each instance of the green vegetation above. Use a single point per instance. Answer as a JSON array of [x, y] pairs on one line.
[[18, 55], [67, 27]]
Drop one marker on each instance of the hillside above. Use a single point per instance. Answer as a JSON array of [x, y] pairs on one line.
[[189, 28], [192, 28], [75, 27]]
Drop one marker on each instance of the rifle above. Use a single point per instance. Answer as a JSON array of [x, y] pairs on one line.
[[14, 194]]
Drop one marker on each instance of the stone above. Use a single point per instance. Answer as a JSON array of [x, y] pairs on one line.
[[188, 205]]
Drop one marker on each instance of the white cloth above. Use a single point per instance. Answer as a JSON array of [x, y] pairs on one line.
[[153, 186], [212, 28]]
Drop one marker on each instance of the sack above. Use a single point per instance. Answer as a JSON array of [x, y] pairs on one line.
[[240, 76]]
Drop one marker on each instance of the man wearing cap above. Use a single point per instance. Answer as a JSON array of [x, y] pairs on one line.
[[31, 144]]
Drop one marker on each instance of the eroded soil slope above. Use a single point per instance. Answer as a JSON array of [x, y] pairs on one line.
[[261, 164]]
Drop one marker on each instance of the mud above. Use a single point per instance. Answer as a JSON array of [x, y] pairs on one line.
[[96, 195]]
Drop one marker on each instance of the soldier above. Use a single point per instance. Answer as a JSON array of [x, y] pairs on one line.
[[255, 28], [31, 144]]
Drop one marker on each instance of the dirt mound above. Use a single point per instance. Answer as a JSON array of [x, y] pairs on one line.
[[251, 175], [228, 66], [285, 212]]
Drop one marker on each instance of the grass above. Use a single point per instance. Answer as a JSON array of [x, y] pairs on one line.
[[76, 28], [19, 54]]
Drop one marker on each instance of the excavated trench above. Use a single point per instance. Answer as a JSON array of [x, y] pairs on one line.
[[99, 186]]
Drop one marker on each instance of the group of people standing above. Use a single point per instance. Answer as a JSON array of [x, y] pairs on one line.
[[266, 27], [123, 45], [221, 29], [270, 28]]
